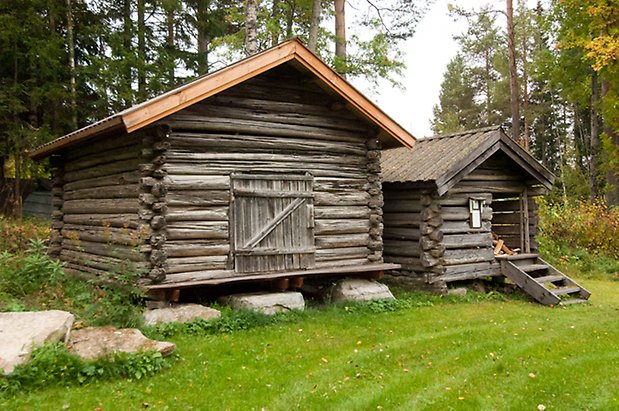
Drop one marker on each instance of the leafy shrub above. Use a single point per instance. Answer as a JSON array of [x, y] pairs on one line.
[[53, 364], [593, 227], [33, 281], [16, 236], [30, 274]]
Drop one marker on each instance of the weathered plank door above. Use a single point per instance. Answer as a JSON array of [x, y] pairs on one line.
[[272, 222]]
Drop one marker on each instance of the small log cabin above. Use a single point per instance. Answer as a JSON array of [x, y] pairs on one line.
[[448, 197], [267, 169]]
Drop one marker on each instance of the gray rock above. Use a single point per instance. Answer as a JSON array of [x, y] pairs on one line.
[[358, 289], [94, 342], [21, 332], [267, 303], [460, 291], [180, 313]]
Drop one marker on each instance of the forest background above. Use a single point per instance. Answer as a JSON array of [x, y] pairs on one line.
[[550, 75]]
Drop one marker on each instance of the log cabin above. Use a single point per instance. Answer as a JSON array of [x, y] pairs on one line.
[[455, 202], [268, 169]]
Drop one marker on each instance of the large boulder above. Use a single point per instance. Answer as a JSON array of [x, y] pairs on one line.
[[21, 332], [180, 313], [358, 289], [94, 342], [267, 303]]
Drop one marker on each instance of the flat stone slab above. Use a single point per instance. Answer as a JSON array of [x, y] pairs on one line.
[[20, 333], [267, 303], [358, 289], [180, 313], [94, 342]]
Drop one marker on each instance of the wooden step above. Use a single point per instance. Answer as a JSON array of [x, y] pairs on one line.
[[565, 290], [572, 301], [550, 279], [517, 256], [532, 267]]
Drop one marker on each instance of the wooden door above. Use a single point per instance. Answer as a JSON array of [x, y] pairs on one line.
[[272, 223]]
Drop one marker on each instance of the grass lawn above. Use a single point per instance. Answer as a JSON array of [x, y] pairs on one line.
[[470, 355]]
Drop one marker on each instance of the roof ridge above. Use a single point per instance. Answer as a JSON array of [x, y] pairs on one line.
[[463, 133]]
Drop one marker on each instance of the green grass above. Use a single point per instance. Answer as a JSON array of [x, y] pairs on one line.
[[470, 355]]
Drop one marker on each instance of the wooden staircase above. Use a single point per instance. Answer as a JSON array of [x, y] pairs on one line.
[[542, 281]]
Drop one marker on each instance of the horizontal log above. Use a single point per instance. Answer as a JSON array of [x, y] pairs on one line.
[[323, 227], [480, 174], [463, 199], [201, 263], [263, 167], [182, 121], [407, 263], [402, 219], [106, 250], [227, 157], [110, 180], [131, 152], [402, 206], [101, 145], [459, 227], [513, 218], [128, 220], [331, 254], [192, 182], [203, 198], [450, 213], [106, 235], [335, 212], [178, 213], [466, 256], [397, 233], [268, 115], [335, 199], [197, 230], [116, 191], [198, 142], [195, 248], [102, 170], [107, 264], [340, 241], [339, 185], [101, 206], [454, 241], [401, 248]]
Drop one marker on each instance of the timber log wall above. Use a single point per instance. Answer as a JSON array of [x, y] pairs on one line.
[[258, 128]]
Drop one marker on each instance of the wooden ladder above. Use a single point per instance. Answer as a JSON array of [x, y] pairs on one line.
[[542, 281]]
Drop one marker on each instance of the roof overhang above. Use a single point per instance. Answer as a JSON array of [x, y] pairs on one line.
[[141, 115], [501, 142]]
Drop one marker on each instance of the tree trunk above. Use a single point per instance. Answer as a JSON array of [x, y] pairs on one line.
[[203, 37], [526, 138], [141, 51], [127, 36], [340, 34], [612, 195], [275, 15], [594, 143], [314, 25], [72, 81], [513, 74], [170, 43], [251, 35]]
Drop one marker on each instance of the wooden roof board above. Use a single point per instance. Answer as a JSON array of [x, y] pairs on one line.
[[444, 160], [141, 115]]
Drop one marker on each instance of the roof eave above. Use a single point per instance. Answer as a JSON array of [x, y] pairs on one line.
[[141, 115]]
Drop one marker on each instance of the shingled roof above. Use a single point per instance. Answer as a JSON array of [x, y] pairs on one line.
[[442, 161], [291, 52]]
